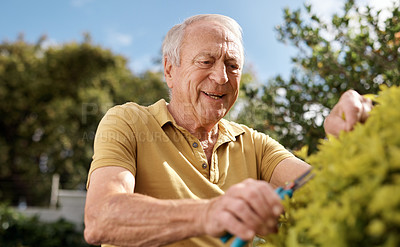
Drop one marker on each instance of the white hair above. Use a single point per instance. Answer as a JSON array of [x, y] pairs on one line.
[[173, 40]]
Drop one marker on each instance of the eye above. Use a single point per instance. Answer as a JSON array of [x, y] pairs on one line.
[[234, 67], [205, 63]]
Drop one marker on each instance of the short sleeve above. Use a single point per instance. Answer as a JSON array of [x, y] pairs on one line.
[[115, 142], [272, 153]]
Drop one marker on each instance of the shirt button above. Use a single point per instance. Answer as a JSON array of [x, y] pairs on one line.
[[195, 145], [204, 165]]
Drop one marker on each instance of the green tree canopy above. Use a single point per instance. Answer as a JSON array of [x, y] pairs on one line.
[[51, 100], [356, 49]]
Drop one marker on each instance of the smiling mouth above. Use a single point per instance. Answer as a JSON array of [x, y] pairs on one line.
[[214, 96]]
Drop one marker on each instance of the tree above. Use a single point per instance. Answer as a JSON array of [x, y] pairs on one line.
[[356, 49], [51, 100]]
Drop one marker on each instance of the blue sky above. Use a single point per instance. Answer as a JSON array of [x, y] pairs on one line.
[[135, 28]]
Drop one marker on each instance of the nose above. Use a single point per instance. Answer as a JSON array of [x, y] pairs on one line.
[[219, 74]]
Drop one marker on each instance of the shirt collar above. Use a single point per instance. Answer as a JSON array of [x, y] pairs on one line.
[[160, 112], [227, 129]]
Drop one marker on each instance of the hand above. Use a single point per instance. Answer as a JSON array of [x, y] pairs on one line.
[[351, 109], [248, 208]]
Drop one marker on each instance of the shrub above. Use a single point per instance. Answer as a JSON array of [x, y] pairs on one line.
[[354, 198], [17, 230]]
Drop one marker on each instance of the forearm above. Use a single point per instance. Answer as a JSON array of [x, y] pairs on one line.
[[138, 220]]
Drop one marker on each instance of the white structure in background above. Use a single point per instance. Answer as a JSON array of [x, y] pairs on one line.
[[71, 204]]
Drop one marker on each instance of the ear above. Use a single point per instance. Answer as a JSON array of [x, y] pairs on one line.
[[168, 69]]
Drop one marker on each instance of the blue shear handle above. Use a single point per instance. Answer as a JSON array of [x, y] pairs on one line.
[[282, 193], [236, 243], [239, 242], [226, 237]]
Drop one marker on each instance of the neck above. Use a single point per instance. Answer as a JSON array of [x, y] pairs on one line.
[[203, 129]]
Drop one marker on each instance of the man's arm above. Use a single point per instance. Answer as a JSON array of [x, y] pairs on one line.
[[288, 170], [351, 109], [114, 214]]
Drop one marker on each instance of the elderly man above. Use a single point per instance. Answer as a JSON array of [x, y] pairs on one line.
[[178, 173]]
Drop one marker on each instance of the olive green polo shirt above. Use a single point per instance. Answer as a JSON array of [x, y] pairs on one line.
[[169, 163]]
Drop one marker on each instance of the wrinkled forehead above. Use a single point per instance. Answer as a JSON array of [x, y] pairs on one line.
[[203, 31]]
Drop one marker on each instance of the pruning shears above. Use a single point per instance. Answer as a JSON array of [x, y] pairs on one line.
[[286, 190]]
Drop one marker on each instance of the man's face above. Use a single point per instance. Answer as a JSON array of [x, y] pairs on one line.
[[206, 84]]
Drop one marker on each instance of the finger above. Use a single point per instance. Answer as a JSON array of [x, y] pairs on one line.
[[335, 125], [255, 195], [235, 226], [272, 204], [353, 114], [366, 108], [262, 199], [243, 211], [240, 228], [356, 108], [255, 204], [266, 203]]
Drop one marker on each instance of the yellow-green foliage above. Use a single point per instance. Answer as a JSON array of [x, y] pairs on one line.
[[354, 199]]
